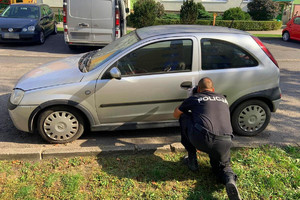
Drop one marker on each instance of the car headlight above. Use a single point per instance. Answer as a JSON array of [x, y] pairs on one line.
[[17, 96], [31, 28], [24, 29]]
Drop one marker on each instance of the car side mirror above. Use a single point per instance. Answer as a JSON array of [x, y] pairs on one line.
[[127, 10], [115, 73]]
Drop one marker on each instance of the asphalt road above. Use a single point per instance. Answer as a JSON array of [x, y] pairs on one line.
[[16, 60]]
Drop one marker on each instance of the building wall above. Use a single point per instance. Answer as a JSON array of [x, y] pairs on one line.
[[218, 6]]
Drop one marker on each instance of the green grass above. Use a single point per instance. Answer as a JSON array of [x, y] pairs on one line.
[[264, 173], [268, 35]]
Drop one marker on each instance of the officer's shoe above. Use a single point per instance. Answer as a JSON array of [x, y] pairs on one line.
[[231, 189], [192, 163]]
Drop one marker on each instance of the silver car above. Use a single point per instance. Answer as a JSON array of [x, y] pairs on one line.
[[137, 81]]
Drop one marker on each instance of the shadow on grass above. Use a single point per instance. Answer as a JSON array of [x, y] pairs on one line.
[[159, 175]]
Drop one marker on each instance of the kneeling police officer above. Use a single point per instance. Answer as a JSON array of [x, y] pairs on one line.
[[205, 125]]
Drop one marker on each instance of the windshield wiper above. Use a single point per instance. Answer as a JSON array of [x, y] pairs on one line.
[[85, 61]]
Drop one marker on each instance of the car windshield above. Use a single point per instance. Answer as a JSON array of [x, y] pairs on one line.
[[110, 50], [21, 11]]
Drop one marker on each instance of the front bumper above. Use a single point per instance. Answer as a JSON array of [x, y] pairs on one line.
[[20, 115], [14, 37]]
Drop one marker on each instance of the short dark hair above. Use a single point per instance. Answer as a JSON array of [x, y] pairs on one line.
[[205, 83]]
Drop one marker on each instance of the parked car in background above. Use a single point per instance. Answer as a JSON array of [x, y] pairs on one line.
[[93, 22], [137, 81], [27, 23], [292, 30]]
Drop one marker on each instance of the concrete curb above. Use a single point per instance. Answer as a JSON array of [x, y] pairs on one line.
[[40, 154]]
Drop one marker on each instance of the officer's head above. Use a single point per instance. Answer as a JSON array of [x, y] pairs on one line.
[[205, 84]]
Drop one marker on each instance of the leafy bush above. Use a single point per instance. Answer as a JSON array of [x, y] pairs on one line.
[[263, 9], [240, 24], [145, 12], [236, 14], [171, 16], [188, 12], [160, 9]]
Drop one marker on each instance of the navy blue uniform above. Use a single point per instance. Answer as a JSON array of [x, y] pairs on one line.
[[205, 125]]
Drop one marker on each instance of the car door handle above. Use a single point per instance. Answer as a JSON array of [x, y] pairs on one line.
[[83, 25], [186, 85]]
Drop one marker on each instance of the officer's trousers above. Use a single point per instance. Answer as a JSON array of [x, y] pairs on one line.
[[217, 147]]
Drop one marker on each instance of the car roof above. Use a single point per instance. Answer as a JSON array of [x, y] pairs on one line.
[[153, 31], [27, 4]]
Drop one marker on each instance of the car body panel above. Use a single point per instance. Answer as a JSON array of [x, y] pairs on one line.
[[54, 73]]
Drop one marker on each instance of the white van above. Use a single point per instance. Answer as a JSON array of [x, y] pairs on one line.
[[93, 22]]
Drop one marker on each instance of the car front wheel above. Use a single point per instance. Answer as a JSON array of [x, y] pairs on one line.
[[250, 118], [42, 37], [286, 36], [60, 125]]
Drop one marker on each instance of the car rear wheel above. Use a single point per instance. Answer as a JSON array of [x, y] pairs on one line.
[[60, 125], [250, 118], [42, 37], [286, 36]]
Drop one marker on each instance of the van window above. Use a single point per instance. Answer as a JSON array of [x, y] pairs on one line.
[[219, 54]]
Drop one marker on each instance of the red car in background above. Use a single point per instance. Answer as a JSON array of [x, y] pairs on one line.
[[292, 30]]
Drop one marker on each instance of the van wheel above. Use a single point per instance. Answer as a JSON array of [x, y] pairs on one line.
[[286, 36], [60, 125], [42, 37], [250, 118]]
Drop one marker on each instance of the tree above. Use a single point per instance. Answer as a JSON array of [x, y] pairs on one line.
[[188, 12], [263, 9], [145, 12]]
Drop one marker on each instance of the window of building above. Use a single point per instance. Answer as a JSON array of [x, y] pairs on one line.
[[219, 54]]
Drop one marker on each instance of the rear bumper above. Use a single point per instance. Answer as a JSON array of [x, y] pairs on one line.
[[275, 104]]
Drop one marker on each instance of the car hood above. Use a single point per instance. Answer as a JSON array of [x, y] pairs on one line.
[[55, 73], [16, 22]]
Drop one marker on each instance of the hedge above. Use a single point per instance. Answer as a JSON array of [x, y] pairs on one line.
[[237, 24]]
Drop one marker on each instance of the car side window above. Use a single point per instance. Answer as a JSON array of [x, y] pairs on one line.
[[160, 57], [297, 20], [219, 54], [44, 11]]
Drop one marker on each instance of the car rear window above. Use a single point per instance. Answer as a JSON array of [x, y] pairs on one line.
[[219, 54]]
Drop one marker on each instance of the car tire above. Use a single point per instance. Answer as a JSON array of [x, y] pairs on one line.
[[60, 125], [42, 37], [286, 36], [250, 118], [55, 30]]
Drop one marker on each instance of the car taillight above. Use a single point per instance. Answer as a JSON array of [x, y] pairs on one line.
[[264, 48], [65, 12], [117, 15]]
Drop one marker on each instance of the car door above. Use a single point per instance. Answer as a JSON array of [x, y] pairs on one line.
[[79, 20], [234, 71], [296, 28], [103, 21], [44, 20], [151, 83]]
